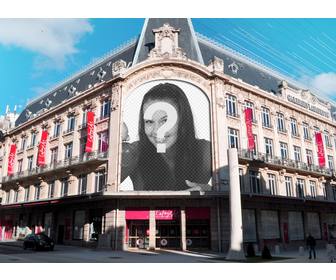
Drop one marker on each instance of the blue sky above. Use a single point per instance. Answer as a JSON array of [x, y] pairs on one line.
[[36, 54]]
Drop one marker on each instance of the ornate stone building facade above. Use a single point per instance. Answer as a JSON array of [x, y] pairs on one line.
[[78, 194]]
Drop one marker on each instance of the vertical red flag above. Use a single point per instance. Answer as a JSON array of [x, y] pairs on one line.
[[41, 156], [11, 159], [90, 130], [248, 121], [320, 149]]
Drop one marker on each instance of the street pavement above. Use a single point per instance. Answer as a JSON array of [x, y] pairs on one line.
[[12, 252]]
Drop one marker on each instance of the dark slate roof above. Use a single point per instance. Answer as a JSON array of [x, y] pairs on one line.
[[197, 48], [187, 39], [237, 67], [79, 83]]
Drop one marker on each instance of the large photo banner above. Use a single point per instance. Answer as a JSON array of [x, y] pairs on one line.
[[166, 143]]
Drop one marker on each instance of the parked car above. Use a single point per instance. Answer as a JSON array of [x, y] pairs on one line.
[[39, 241]]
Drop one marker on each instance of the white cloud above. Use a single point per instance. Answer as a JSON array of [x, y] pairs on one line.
[[51, 39], [323, 84]]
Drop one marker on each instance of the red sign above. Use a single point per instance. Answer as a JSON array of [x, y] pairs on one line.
[[11, 159], [166, 214], [41, 156], [320, 149], [137, 214], [90, 131], [248, 122]]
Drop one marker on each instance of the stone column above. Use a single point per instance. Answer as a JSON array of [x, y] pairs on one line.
[[236, 251], [183, 230], [152, 229]]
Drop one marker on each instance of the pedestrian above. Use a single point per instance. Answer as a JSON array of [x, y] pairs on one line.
[[311, 243]]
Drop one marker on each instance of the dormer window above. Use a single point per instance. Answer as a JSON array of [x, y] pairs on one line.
[[48, 103], [101, 74], [71, 90], [234, 68]]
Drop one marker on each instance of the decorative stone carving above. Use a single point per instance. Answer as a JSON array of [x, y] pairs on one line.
[[216, 65], [115, 97], [118, 67], [166, 43], [45, 125]]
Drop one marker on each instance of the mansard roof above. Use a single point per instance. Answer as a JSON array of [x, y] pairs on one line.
[[196, 47]]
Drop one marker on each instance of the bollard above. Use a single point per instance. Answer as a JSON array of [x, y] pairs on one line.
[[277, 249], [301, 251]]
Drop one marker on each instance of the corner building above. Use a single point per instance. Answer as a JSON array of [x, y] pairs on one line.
[[68, 165]]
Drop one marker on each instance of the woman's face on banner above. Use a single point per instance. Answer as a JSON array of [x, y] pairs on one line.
[[159, 118]]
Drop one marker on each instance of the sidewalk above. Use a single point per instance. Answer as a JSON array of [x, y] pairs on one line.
[[186, 256]]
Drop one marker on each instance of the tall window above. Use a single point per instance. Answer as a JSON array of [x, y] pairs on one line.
[[82, 144], [312, 189], [324, 191], [283, 150], [255, 150], [53, 155], [300, 188], [84, 118], [71, 123], [37, 192], [105, 109], [103, 142], [306, 134], [281, 122], [64, 187], [16, 196], [255, 182], [265, 117], [33, 139], [100, 181], [269, 147], [309, 154], [30, 163], [19, 169], [289, 186], [249, 104], [231, 105], [82, 184], [51, 189], [57, 129], [241, 180], [7, 197], [233, 138], [331, 162], [68, 150], [294, 128], [327, 139], [297, 153], [272, 184], [23, 143], [26, 195]]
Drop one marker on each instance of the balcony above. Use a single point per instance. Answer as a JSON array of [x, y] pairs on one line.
[[102, 118], [56, 166], [233, 114], [264, 159], [68, 131], [82, 126], [282, 130]]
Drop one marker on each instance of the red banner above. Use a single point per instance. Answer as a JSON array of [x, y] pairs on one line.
[[11, 159], [248, 121], [90, 131], [41, 156], [320, 149]]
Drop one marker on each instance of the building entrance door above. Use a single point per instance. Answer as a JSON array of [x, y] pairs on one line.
[[168, 234], [138, 233]]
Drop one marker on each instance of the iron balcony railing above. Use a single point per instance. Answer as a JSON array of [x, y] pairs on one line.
[[56, 165], [286, 163]]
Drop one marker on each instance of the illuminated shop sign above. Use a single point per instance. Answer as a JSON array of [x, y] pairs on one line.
[[307, 106]]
